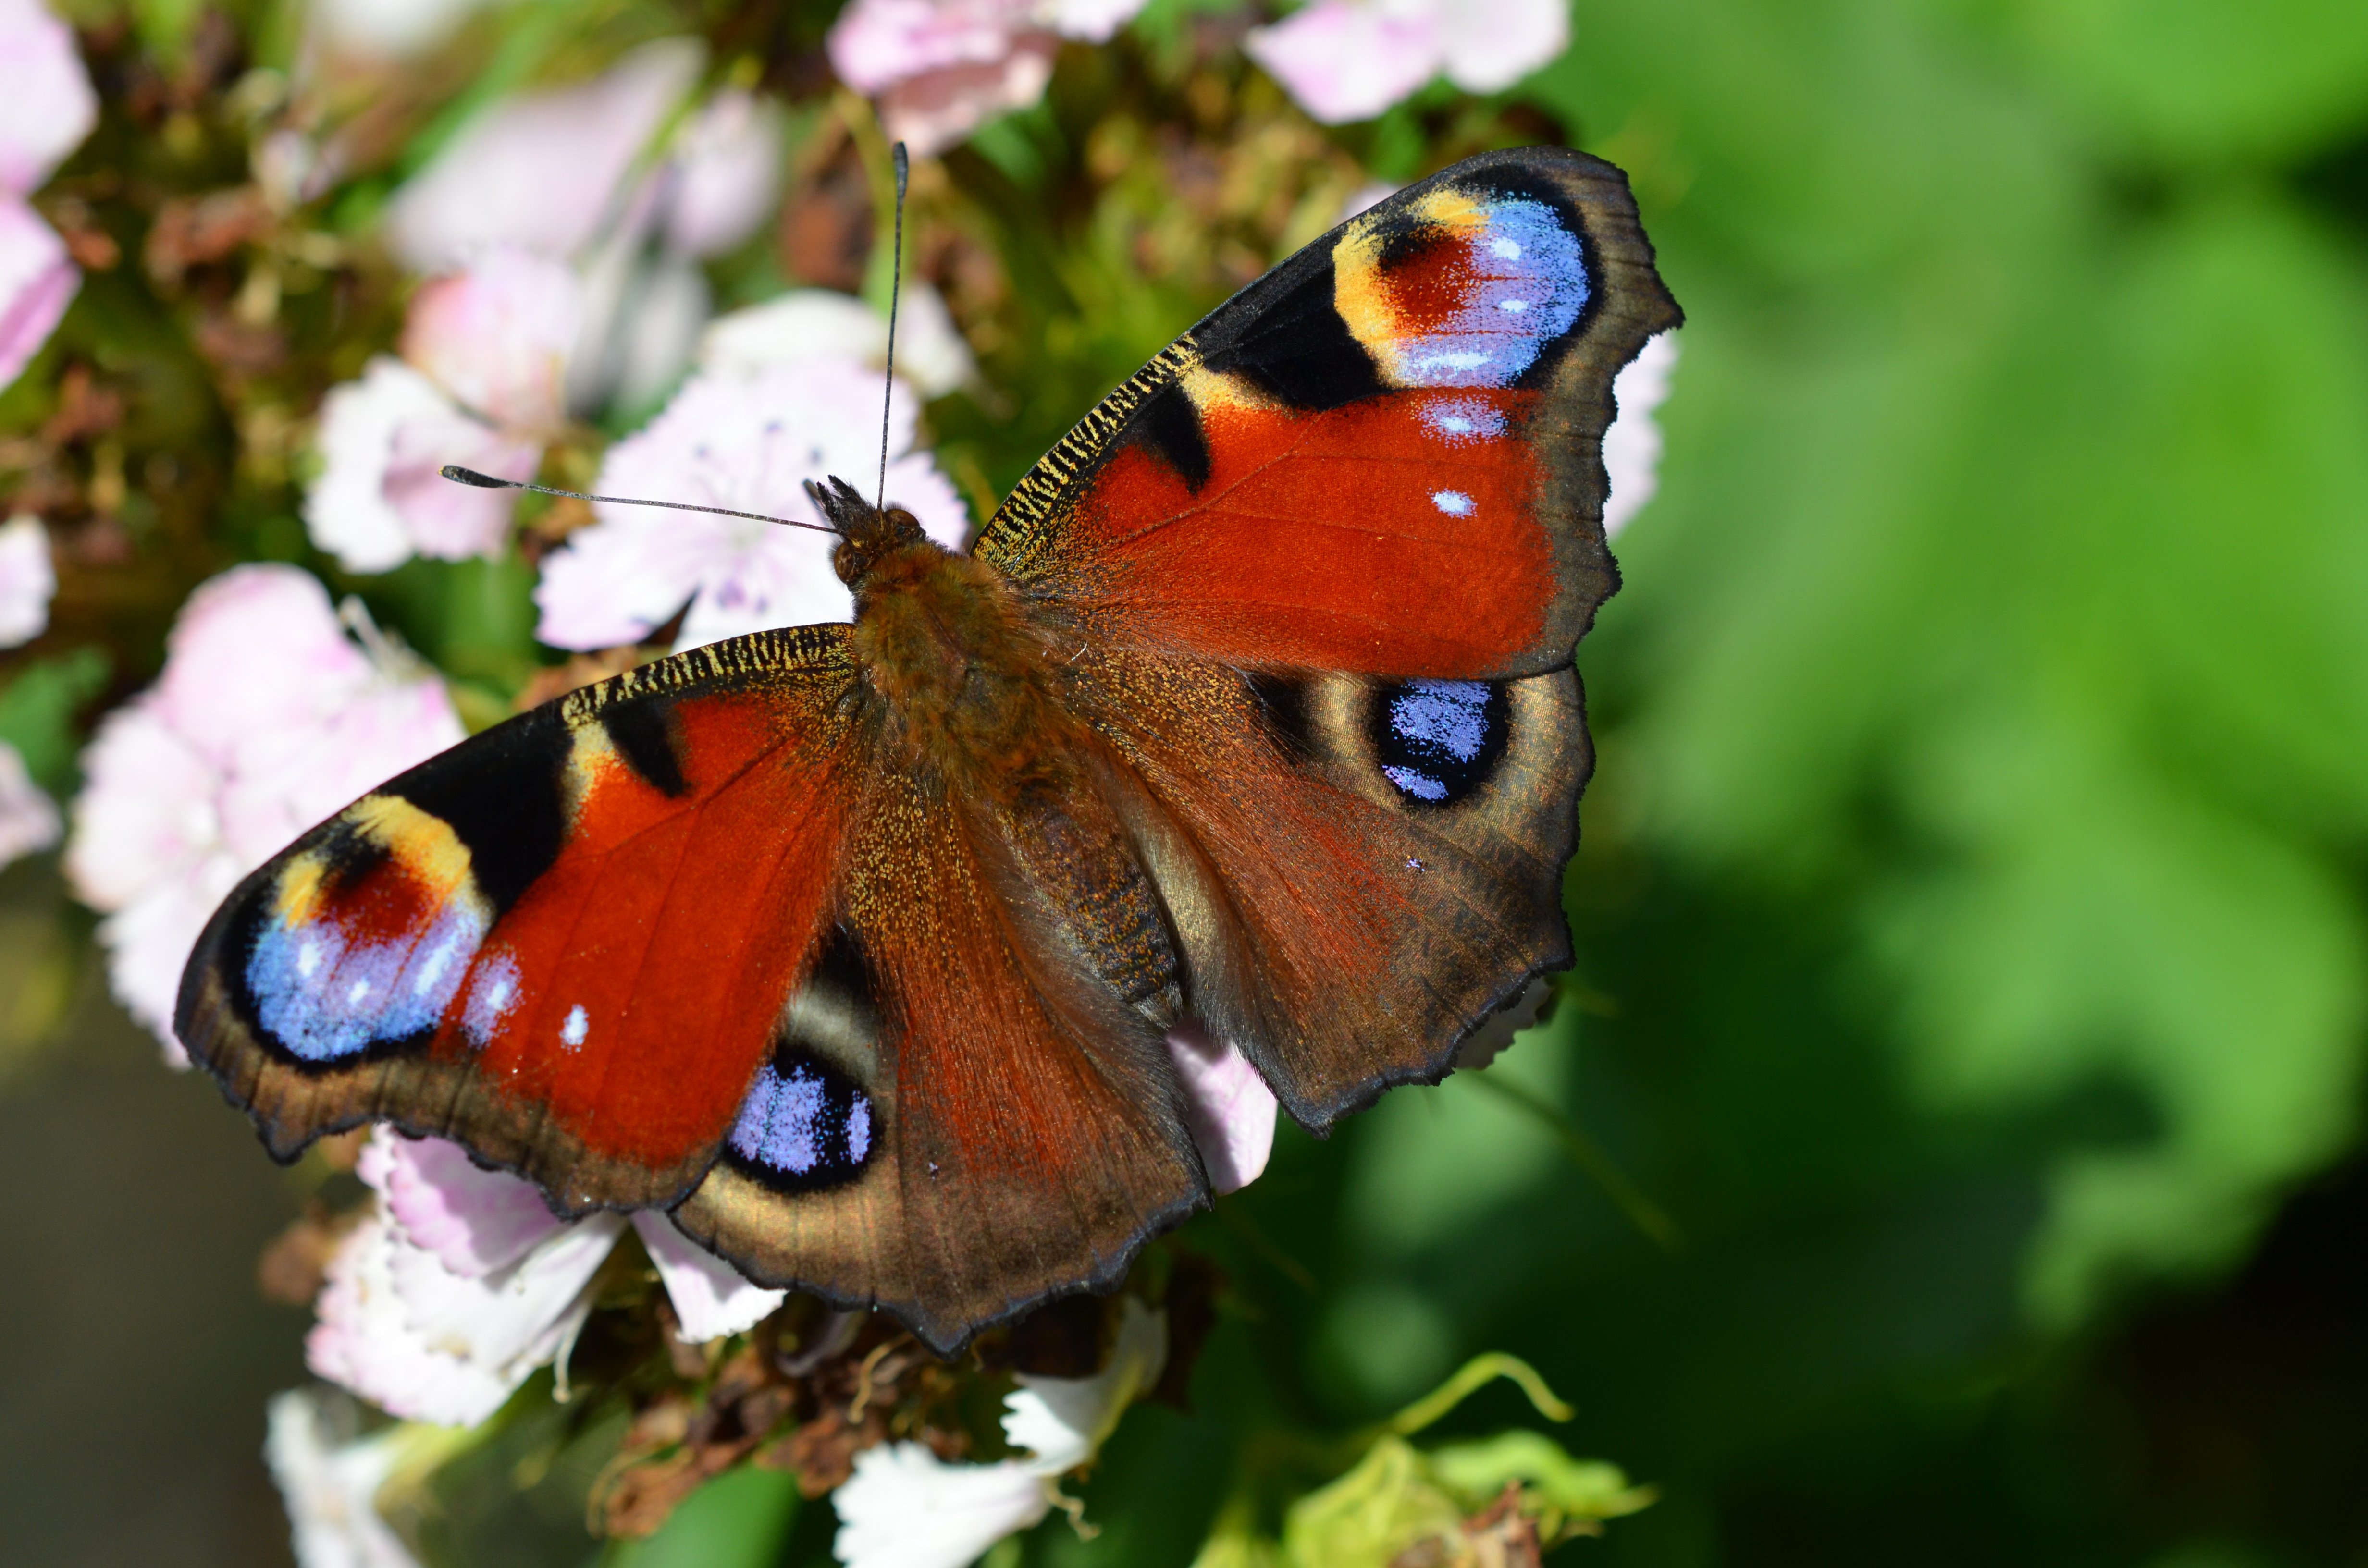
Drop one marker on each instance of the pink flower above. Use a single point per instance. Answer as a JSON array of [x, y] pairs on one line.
[[464, 1283], [1348, 60], [1228, 1107], [28, 580], [268, 718], [942, 68], [47, 107], [47, 104], [37, 283], [726, 172], [1632, 447], [28, 818], [540, 171], [748, 444], [481, 383], [904, 1507]]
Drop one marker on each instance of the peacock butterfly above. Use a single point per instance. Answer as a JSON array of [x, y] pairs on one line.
[[853, 946]]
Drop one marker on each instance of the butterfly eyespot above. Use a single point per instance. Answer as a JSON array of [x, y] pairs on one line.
[[804, 1125], [1436, 741]]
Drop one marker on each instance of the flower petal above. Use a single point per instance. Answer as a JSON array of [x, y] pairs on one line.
[[1227, 1105], [710, 1300], [496, 335], [47, 104], [540, 170], [905, 1508], [28, 579], [1063, 1421], [331, 1488], [37, 283], [474, 1221], [727, 174], [381, 498], [399, 1329], [28, 818], [1491, 44], [1346, 61], [1632, 447]]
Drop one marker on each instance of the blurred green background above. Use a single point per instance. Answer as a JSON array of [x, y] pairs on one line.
[[1970, 903]]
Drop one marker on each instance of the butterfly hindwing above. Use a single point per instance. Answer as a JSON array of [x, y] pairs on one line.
[[563, 942], [1384, 457]]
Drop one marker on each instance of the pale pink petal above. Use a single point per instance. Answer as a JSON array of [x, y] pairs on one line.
[[256, 650], [148, 941], [727, 175], [933, 111], [28, 579], [474, 1220], [379, 498], [37, 283], [1632, 447], [1062, 1422], [28, 818], [1228, 1108], [540, 170], [1491, 44], [1094, 21], [146, 808], [746, 443], [496, 335], [47, 104], [330, 1486], [399, 1329], [877, 43], [710, 1299], [905, 1508], [1344, 60]]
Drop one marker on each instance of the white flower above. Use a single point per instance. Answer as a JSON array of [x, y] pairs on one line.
[[822, 324], [1348, 60], [26, 579], [28, 818], [1228, 1108], [331, 1487], [748, 444], [268, 718], [464, 1283], [1632, 447], [904, 1507]]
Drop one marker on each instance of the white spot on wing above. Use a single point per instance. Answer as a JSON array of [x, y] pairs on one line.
[[572, 1032], [1454, 503]]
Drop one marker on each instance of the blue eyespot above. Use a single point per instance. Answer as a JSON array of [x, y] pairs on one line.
[[804, 1125], [1528, 284], [1439, 740]]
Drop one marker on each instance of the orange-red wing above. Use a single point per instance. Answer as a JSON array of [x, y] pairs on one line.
[[960, 1121], [1382, 457], [565, 942]]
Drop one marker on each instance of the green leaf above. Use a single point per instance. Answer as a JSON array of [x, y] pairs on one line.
[[38, 708], [738, 1520], [1574, 1489]]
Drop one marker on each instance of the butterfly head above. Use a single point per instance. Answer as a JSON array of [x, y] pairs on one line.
[[866, 533]]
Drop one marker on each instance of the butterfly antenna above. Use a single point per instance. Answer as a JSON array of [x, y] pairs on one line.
[[895, 283], [460, 475]]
